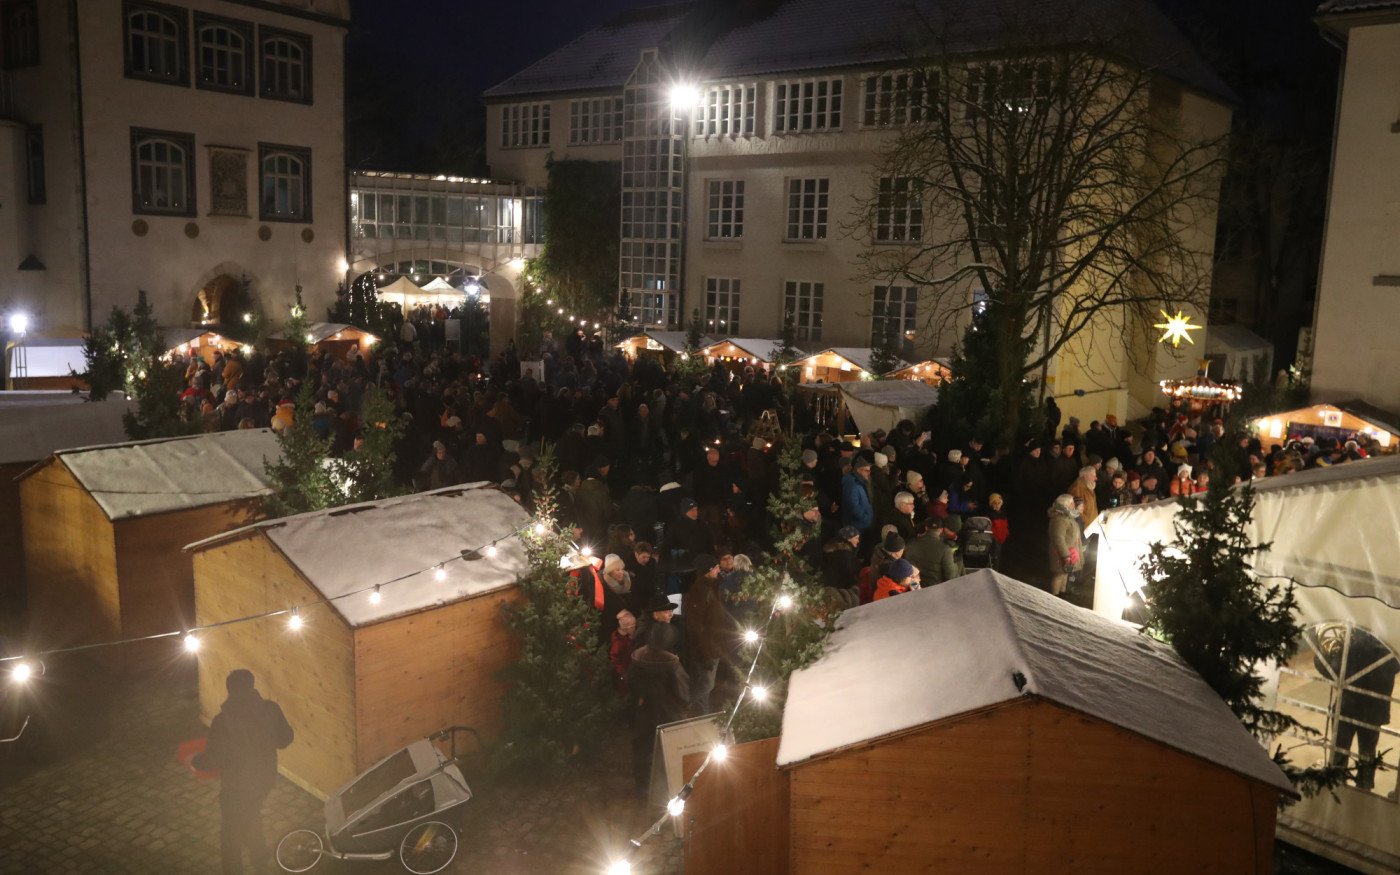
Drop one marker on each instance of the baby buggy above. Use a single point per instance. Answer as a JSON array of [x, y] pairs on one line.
[[979, 546], [405, 804]]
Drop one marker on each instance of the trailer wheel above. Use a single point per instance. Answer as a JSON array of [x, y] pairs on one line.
[[299, 851], [428, 848]]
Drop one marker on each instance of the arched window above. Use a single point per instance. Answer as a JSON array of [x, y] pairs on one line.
[[162, 172], [286, 66], [286, 183], [155, 43], [1340, 687], [223, 58]]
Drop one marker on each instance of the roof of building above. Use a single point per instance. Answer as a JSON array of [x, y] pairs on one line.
[[752, 39], [672, 340], [30, 432], [983, 640], [355, 547], [856, 355], [1338, 6], [761, 348], [319, 331], [1235, 338], [139, 478]]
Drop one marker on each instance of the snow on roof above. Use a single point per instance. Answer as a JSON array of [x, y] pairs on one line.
[[892, 393], [351, 548], [672, 340], [138, 478], [320, 331], [900, 663], [856, 355], [32, 432], [760, 348]]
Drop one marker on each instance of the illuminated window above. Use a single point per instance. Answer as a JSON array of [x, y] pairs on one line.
[[722, 305], [727, 111]]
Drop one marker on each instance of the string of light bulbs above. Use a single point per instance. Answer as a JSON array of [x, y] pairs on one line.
[[560, 311], [758, 692], [23, 669]]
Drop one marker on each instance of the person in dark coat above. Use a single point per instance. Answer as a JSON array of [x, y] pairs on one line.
[[440, 470], [841, 566], [660, 691], [688, 537], [708, 632], [244, 738]]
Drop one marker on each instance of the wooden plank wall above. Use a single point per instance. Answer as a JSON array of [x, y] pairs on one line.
[[70, 556], [12, 595], [736, 820], [424, 671], [1029, 787], [309, 672]]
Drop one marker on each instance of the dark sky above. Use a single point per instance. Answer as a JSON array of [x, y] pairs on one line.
[[427, 61]]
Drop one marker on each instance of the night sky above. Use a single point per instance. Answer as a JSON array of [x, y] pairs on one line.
[[427, 61]]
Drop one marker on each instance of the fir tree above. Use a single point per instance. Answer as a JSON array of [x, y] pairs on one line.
[[971, 401], [297, 331], [623, 317], [796, 635], [1203, 598], [301, 479], [694, 332], [561, 701], [884, 355], [128, 355], [367, 472]]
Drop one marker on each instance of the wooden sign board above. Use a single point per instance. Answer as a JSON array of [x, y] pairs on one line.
[[673, 742]]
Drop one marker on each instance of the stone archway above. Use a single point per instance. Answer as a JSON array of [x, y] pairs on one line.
[[222, 301]]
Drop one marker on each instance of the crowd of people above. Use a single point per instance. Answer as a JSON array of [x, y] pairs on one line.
[[667, 480]]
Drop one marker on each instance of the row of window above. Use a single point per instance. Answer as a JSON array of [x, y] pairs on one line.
[[448, 218], [899, 209], [228, 54], [894, 310], [163, 177], [799, 106]]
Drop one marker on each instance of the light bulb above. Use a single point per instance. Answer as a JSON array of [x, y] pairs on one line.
[[785, 602], [309, 338], [720, 752], [675, 806], [760, 693], [374, 597], [586, 550], [751, 636], [247, 317], [539, 528], [191, 642], [621, 867], [440, 573], [295, 620], [20, 672], [491, 550]]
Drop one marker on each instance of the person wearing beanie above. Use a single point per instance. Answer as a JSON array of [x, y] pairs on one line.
[[686, 534], [856, 509], [809, 458], [890, 547], [900, 577], [883, 486], [841, 567], [440, 470], [914, 481], [1184, 483]]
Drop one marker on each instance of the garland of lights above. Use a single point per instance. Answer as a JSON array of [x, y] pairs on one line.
[[676, 806]]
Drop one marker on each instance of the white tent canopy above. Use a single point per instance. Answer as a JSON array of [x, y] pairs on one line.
[[882, 404], [1239, 351]]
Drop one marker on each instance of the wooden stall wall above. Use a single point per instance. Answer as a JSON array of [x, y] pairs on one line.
[[157, 576], [737, 818], [12, 595], [70, 557], [1029, 787], [309, 672], [431, 669]]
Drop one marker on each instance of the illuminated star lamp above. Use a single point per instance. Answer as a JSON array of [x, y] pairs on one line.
[[1175, 328]]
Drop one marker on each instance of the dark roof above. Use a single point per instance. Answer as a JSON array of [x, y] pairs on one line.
[[1335, 6], [759, 37]]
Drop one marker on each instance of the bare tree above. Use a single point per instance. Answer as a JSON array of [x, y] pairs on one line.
[[1054, 174]]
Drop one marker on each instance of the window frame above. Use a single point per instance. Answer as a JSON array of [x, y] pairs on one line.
[[715, 210], [899, 210], [268, 34], [595, 115], [894, 98], [806, 324], [730, 306], [33, 54], [140, 136], [35, 168], [784, 115], [980, 77], [181, 17], [736, 102], [821, 208], [907, 319], [204, 21], [516, 124], [300, 153]]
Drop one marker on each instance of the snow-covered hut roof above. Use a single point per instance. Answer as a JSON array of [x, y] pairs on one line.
[[671, 340], [139, 478], [30, 432], [351, 548], [983, 640], [856, 355], [760, 348], [320, 331]]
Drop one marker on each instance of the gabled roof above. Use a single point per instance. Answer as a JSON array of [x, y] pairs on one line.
[[672, 340], [760, 348], [983, 640], [319, 331], [30, 432], [754, 39], [856, 355], [139, 478], [354, 547], [1336, 6]]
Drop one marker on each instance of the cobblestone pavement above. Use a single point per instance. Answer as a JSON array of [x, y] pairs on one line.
[[111, 798]]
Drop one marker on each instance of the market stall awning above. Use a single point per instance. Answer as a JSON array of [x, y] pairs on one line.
[[851, 360], [759, 350], [47, 357], [320, 332], [882, 404], [660, 341]]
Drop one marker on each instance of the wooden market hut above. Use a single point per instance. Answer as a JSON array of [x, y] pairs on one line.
[[45, 363], [1339, 421], [364, 677], [29, 432], [663, 345], [931, 371], [200, 341], [837, 364], [985, 726], [337, 338], [738, 352], [104, 527]]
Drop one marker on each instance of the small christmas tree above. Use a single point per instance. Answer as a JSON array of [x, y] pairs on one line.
[[884, 355], [1203, 599], [796, 635], [561, 702], [366, 473], [301, 479]]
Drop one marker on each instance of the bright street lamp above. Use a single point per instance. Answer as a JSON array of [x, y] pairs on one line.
[[684, 96], [19, 323]]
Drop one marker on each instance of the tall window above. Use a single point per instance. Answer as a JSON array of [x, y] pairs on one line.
[[594, 120], [286, 183], [525, 124], [803, 302], [807, 105], [653, 308], [725, 216], [807, 202], [899, 212], [894, 99], [162, 172], [34, 164], [1013, 87], [286, 65], [223, 57], [727, 111], [722, 305], [19, 33], [156, 45], [892, 317]]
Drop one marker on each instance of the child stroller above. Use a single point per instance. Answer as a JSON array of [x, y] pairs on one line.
[[979, 546]]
